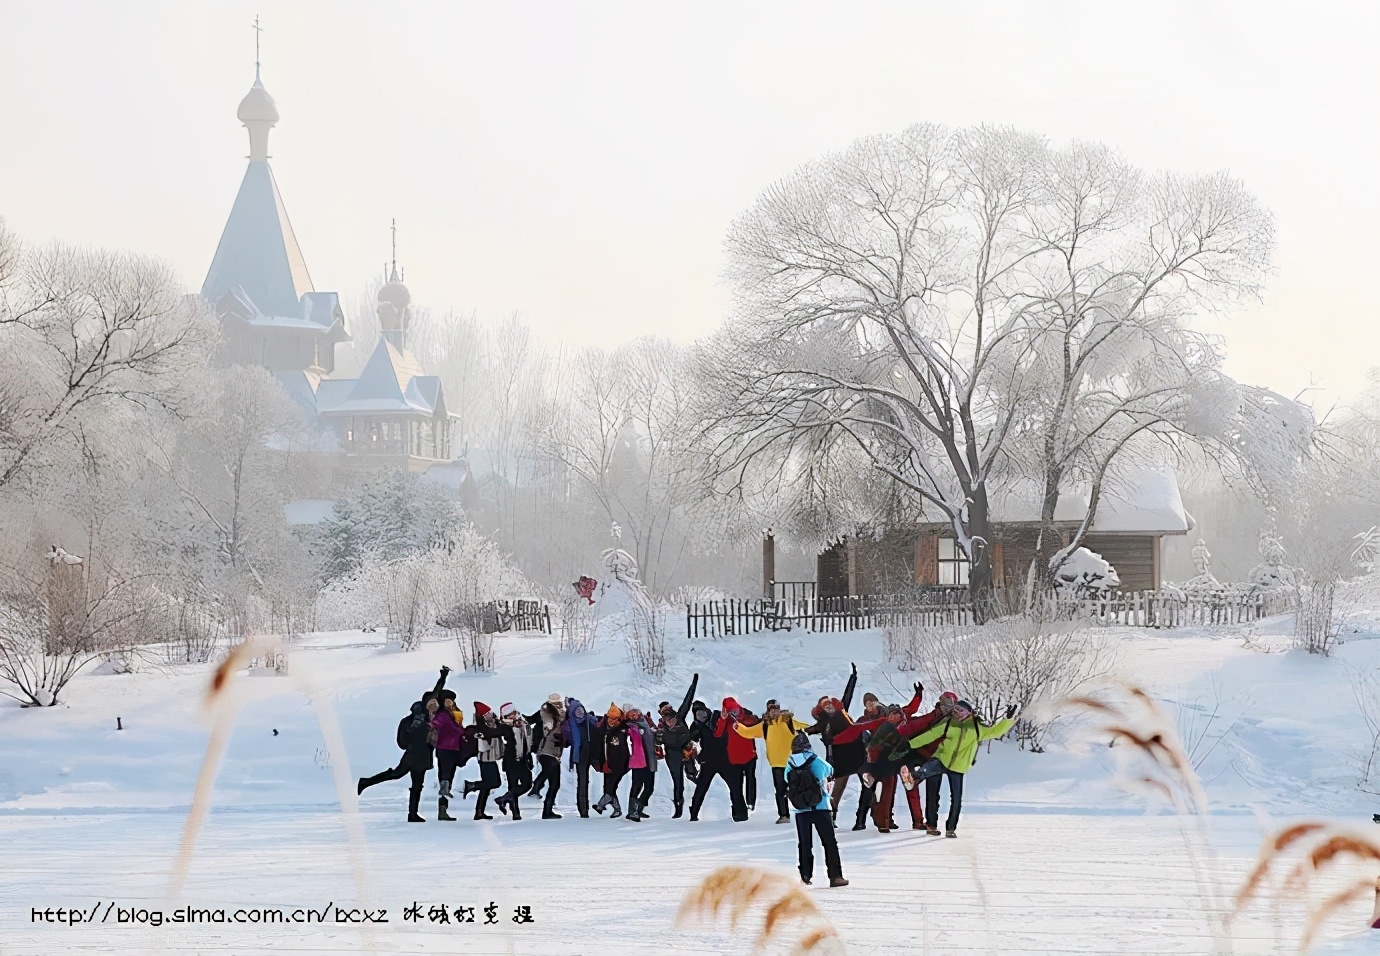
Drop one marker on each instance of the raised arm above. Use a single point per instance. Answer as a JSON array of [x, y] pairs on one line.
[[689, 699], [847, 698], [910, 709], [441, 681]]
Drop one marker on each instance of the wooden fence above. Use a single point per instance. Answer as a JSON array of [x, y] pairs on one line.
[[1153, 609], [822, 615], [499, 617], [1176, 609]]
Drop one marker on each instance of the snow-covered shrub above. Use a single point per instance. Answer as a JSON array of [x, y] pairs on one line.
[[1014, 660], [389, 517], [1084, 574], [577, 626], [1273, 573], [644, 628]]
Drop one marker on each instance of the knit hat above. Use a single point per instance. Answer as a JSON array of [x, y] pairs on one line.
[[662, 706], [507, 710], [555, 700], [480, 709], [614, 711], [950, 695], [869, 696], [632, 713], [698, 706], [446, 695], [429, 695], [800, 743]]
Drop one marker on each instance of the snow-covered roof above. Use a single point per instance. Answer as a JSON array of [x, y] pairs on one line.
[[448, 474], [258, 257], [308, 511], [392, 381], [1141, 501]]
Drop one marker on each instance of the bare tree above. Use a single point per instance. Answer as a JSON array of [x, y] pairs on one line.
[[82, 329], [938, 299]]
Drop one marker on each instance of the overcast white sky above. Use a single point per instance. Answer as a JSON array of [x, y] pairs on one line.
[[579, 163]]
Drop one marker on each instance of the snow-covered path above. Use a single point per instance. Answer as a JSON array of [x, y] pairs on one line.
[[1053, 857], [1014, 883]]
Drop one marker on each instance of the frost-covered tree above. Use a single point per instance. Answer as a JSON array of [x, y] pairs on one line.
[[391, 515], [82, 330], [946, 304]]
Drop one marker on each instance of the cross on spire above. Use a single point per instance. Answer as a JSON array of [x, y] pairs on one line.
[[394, 229], [257, 30]]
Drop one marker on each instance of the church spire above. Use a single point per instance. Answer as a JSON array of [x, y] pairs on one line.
[[394, 300], [257, 111]]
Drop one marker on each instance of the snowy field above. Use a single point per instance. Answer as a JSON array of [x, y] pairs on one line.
[[1053, 857]]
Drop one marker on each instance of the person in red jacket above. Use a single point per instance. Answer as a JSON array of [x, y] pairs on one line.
[[723, 754], [879, 736]]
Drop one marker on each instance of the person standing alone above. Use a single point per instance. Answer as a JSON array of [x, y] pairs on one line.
[[806, 776]]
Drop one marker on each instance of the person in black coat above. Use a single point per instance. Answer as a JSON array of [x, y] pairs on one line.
[[415, 737], [673, 735], [711, 730]]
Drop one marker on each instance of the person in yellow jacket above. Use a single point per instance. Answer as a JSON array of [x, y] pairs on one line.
[[778, 729], [958, 738]]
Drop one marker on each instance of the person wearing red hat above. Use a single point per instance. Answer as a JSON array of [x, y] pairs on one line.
[[491, 748]]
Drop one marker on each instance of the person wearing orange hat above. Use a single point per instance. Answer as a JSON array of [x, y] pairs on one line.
[[612, 754]]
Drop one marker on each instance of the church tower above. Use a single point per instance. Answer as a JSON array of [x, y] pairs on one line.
[[395, 301], [270, 313]]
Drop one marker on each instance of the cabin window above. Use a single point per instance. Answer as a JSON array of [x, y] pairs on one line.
[[953, 563]]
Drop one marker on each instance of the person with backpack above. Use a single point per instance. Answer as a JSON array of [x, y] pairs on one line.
[[806, 777], [675, 737], [517, 759], [958, 737], [449, 724], [778, 729], [580, 731], [549, 741], [415, 738], [492, 744]]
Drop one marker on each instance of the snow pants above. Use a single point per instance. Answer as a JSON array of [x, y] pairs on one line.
[[732, 776], [643, 782], [932, 798], [807, 823], [675, 763], [551, 776], [446, 763], [414, 795], [582, 785], [778, 783]]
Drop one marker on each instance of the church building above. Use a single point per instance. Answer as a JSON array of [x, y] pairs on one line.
[[394, 414]]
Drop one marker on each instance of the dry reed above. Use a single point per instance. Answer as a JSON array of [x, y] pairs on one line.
[[1319, 846], [735, 891]]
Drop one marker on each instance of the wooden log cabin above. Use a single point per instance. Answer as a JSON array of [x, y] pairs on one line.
[[1133, 517]]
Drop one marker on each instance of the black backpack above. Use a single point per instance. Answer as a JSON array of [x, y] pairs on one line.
[[802, 786]]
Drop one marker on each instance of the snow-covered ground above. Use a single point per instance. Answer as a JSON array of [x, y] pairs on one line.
[[1053, 857]]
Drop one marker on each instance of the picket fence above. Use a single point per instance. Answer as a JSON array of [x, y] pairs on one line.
[[821, 615], [1150, 609]]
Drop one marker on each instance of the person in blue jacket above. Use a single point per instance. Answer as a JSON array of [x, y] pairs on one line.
[[579, 730], [816, 817]]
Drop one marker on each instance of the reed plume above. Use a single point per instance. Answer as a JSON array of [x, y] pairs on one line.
[[1318, 847], [735, 891]]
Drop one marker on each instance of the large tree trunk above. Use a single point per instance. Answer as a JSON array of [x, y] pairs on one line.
[[980, 579]]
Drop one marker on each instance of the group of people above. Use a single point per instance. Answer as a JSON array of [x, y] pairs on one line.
[[885, 746]]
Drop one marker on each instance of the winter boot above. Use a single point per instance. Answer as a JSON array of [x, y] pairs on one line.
[[617, 810], [414, 818], [360, 787], [479, 813], [513, 806], [931, 831], [837, 881], [602, 804], [634, 814], [679, 806], [414, 798], [469, 787], [502, 803], [549, 814], [441, 813], [783, 819], [952, 835]]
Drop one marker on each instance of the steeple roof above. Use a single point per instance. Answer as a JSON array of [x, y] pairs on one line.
[[258, 255]]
